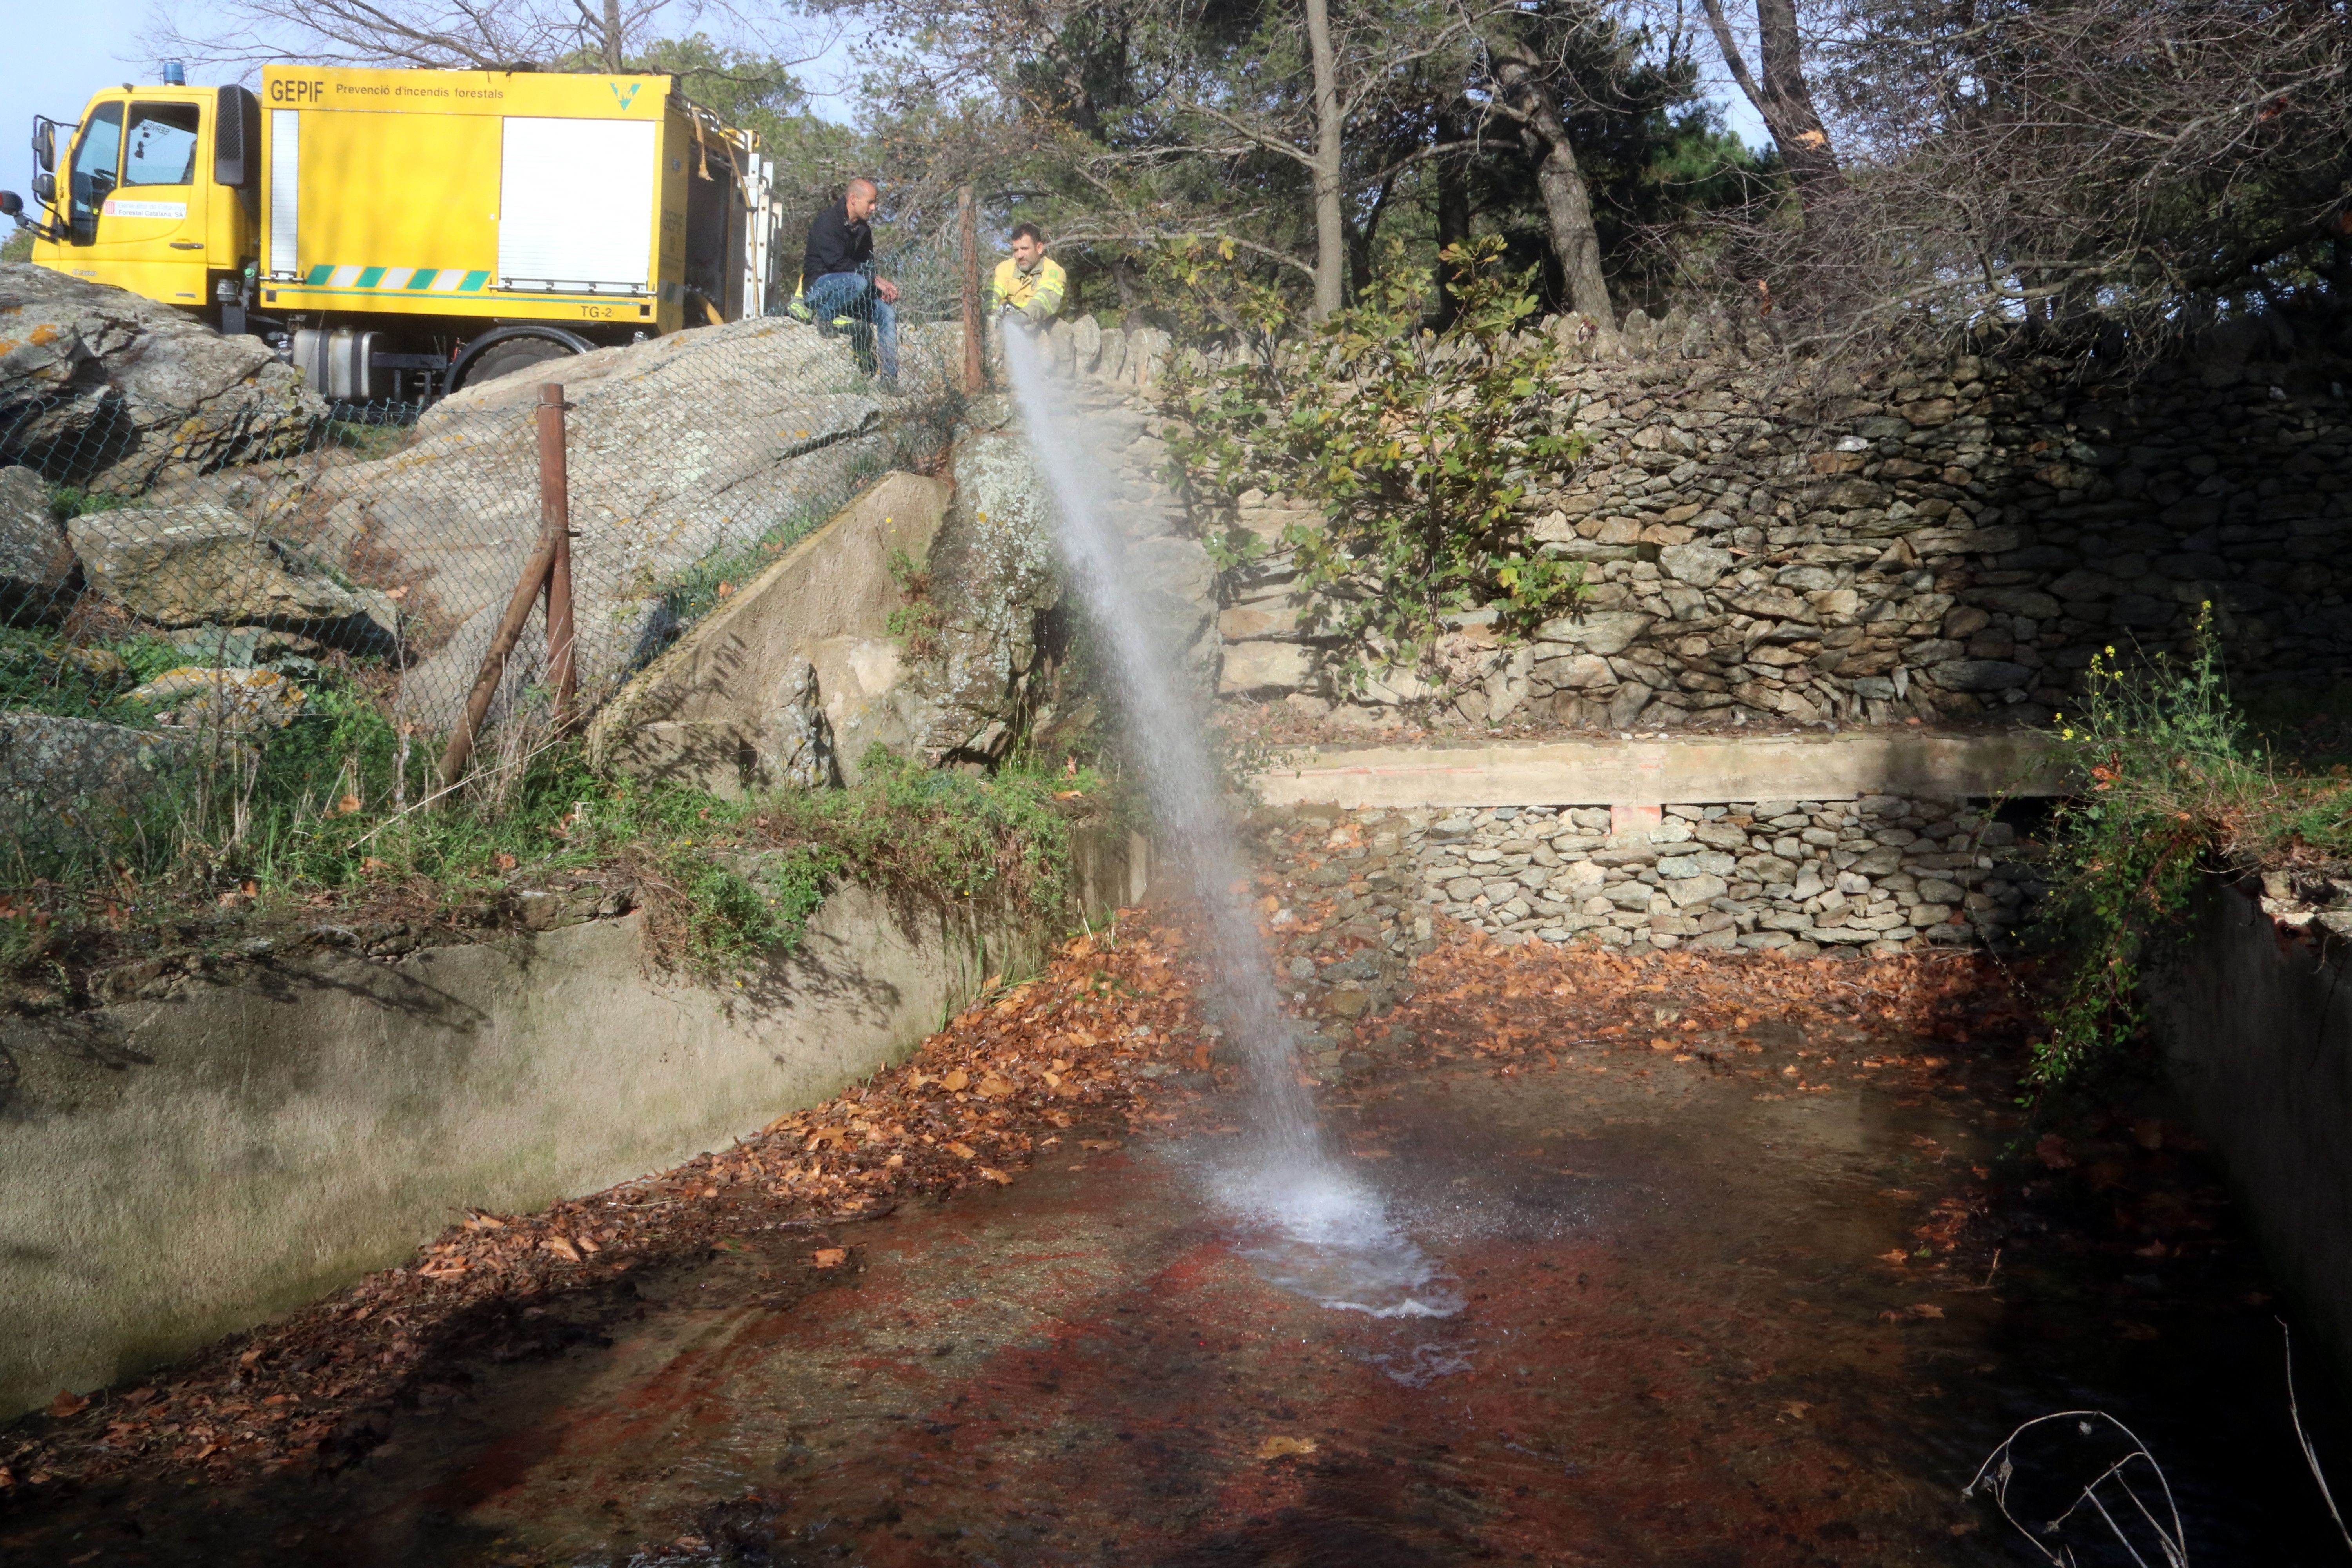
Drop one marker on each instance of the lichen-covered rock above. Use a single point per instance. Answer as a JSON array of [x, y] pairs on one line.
[[36, 565], [235, 701], [202, 564], [64, 783], [112, 392]]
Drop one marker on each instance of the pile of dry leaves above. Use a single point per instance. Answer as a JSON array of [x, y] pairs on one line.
[[1474, 997]]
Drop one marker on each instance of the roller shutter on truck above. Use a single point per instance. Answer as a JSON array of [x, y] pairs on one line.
[[576, 205], [285, 193]]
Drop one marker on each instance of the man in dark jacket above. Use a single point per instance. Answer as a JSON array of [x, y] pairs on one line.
[[837, 274]]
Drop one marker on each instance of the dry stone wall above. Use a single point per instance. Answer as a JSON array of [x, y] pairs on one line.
[[1943, 545], [1879, 875]]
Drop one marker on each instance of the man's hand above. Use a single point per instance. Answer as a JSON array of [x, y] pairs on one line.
[[888, 289]]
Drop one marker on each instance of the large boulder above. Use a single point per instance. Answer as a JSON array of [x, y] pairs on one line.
[[993, 581], [37, 565], [797, 674], [65, 783], [200, 564], [712, 448], [107, 390]]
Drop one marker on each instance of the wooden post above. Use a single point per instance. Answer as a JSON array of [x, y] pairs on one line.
[[967, 222], [555, 521], [536, 572]]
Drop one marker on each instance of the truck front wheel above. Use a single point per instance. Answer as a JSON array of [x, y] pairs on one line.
[[503, 350]]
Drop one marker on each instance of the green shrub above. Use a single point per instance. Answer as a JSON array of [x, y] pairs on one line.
[[2171, 788], [1417, 445]]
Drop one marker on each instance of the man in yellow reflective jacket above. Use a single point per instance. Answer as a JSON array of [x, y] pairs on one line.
[[1028, 283]]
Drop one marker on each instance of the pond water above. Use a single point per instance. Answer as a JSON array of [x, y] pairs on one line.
[[1656, 1320]]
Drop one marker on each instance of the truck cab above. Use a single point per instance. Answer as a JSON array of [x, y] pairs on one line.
[[155, 190]]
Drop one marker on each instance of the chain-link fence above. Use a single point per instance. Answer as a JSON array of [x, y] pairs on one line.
[[222, 597]]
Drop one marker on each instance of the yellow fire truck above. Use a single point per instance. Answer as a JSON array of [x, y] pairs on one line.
[[399, 233]]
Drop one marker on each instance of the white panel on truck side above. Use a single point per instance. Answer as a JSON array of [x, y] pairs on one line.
[[576, 205], [285, 188]]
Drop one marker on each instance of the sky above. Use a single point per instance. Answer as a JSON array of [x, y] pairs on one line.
[[58, 55]]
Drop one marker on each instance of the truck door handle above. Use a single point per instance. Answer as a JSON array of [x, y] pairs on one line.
[[187, 244]]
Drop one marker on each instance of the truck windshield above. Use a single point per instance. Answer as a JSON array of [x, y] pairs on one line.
[[161, 147], [96, 155]]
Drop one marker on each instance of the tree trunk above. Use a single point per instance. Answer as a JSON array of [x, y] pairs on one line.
[[1453, 219], [1567, 206], [613, 59], [1786, 104], [1331, 222]]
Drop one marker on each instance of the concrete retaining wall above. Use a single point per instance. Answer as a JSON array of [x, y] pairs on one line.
[[1591, 771], [176, 1168], [2256, 1027]]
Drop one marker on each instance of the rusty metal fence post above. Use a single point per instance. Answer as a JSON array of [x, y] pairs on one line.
[[555, 520], [539, 572], [967, 226]]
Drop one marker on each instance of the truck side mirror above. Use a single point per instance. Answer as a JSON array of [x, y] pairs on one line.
[[45, 189], [236, 141], [45, 144], [11, 204]]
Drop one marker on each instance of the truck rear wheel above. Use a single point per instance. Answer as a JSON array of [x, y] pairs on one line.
[[509, 349]]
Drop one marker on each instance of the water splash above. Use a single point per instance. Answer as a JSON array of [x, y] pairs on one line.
[[1313, 1226]]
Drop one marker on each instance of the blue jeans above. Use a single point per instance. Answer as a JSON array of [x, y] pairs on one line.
[[853, 294]]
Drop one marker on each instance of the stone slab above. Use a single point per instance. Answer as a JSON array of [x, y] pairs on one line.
[[1692, 772]]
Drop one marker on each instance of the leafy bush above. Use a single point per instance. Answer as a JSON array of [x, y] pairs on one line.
[[1416, 443], [2172, 788]]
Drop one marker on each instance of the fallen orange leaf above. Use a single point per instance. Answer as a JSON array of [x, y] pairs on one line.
[[67, 1403], [1283, 1448], [828, 1257]]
